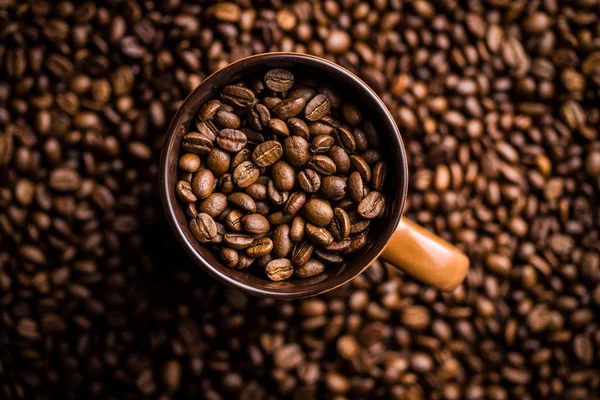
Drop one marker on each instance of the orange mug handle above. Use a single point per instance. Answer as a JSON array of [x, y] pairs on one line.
[[426, 256]]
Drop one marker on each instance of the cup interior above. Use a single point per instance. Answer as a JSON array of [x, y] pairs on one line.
[[351, 88]]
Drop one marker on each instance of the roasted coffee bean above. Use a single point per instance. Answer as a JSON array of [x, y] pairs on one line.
[[284, 176], [259, 117], [214, 204], [282, 243], [267, 153], [305, 93], [245, 174], [254, 138], [311, 268], [298, 127], [297, 229], [240, 157], [296, 151], [323, 164], [318, 211], [321, 144], [345, 139], [340, 224], [231, 140], [203, 183], [260, 248], [317, 107], [203, 227], [233, 221], [358, 242], [371, 205], [189, 162], [184, 192], [244, 261], [242, 201], [279, 269], [196, 143], [190, 210], [351, 114], [340, 158], [256, 223], [238, 241], [356, 189], [279, 127], [208, 129], [209, 109], [288, 108], [302, 252], [360, 165], [333, 187], [318, 235], [225, 184], [218, 161], [279, 80], [320, 128], [329, 257], [276, 196], [309, 181], [340, 246], [280, 217], [257, 191], [294, 203], [362, 143], [271, 102], [378, 175], [237, 96], [227, 119], [229, 257]]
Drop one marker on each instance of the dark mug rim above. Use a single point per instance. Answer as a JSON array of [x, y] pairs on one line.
[[168, 175]]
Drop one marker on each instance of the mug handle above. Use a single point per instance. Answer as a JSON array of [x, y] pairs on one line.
[[426, 256]]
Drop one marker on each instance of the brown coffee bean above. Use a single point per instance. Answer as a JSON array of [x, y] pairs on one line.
[[244, 261], [351, 114], [242, 201], [279, 80], [321, 144], [256, 223], [245, 174], [340, 158], [203, 183], [183, 190], [309, 181], [196, 143], [279, 218], [297, 229], [372, 156], [333, 187], [233, 221], [360, 165], [305, 93], [260, 248], [227, 119], [203, 227], [311, 268], [225, 184], [257, 191], [302, 252], [209, 109], [358, 242], [267, 153], [371, 205], [318, 235], [318, 211], [237, 96], [317, 107], [271, 102], [362, 143], [322, 164], [320, 128], [340, 246], [345, 139], [296, 150], [240, 157], [208, 129], [340, 224], [329, 257], [298, 127], [218, 161], [276, 196], [189, 162], [284, 176], [279, 127], [279, 269], [259, 117], [231, 140], [295, 203], [379, 172], [356, 187], [214, 204], [64, 180], [229, 257], [288, 108], [238, 241], [282, 243]]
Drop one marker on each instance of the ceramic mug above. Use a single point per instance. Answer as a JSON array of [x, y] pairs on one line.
[[397, 240]]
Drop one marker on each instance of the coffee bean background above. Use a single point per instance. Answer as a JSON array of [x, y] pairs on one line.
[[498, 103]]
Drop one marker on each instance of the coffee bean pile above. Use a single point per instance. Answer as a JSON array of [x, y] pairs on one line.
[[270, 180], [498, 105]]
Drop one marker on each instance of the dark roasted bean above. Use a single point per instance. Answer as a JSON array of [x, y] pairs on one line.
[[267, 153], [311, 268]]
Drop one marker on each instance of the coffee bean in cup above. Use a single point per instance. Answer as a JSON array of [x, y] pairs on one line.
[[279, 171]]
